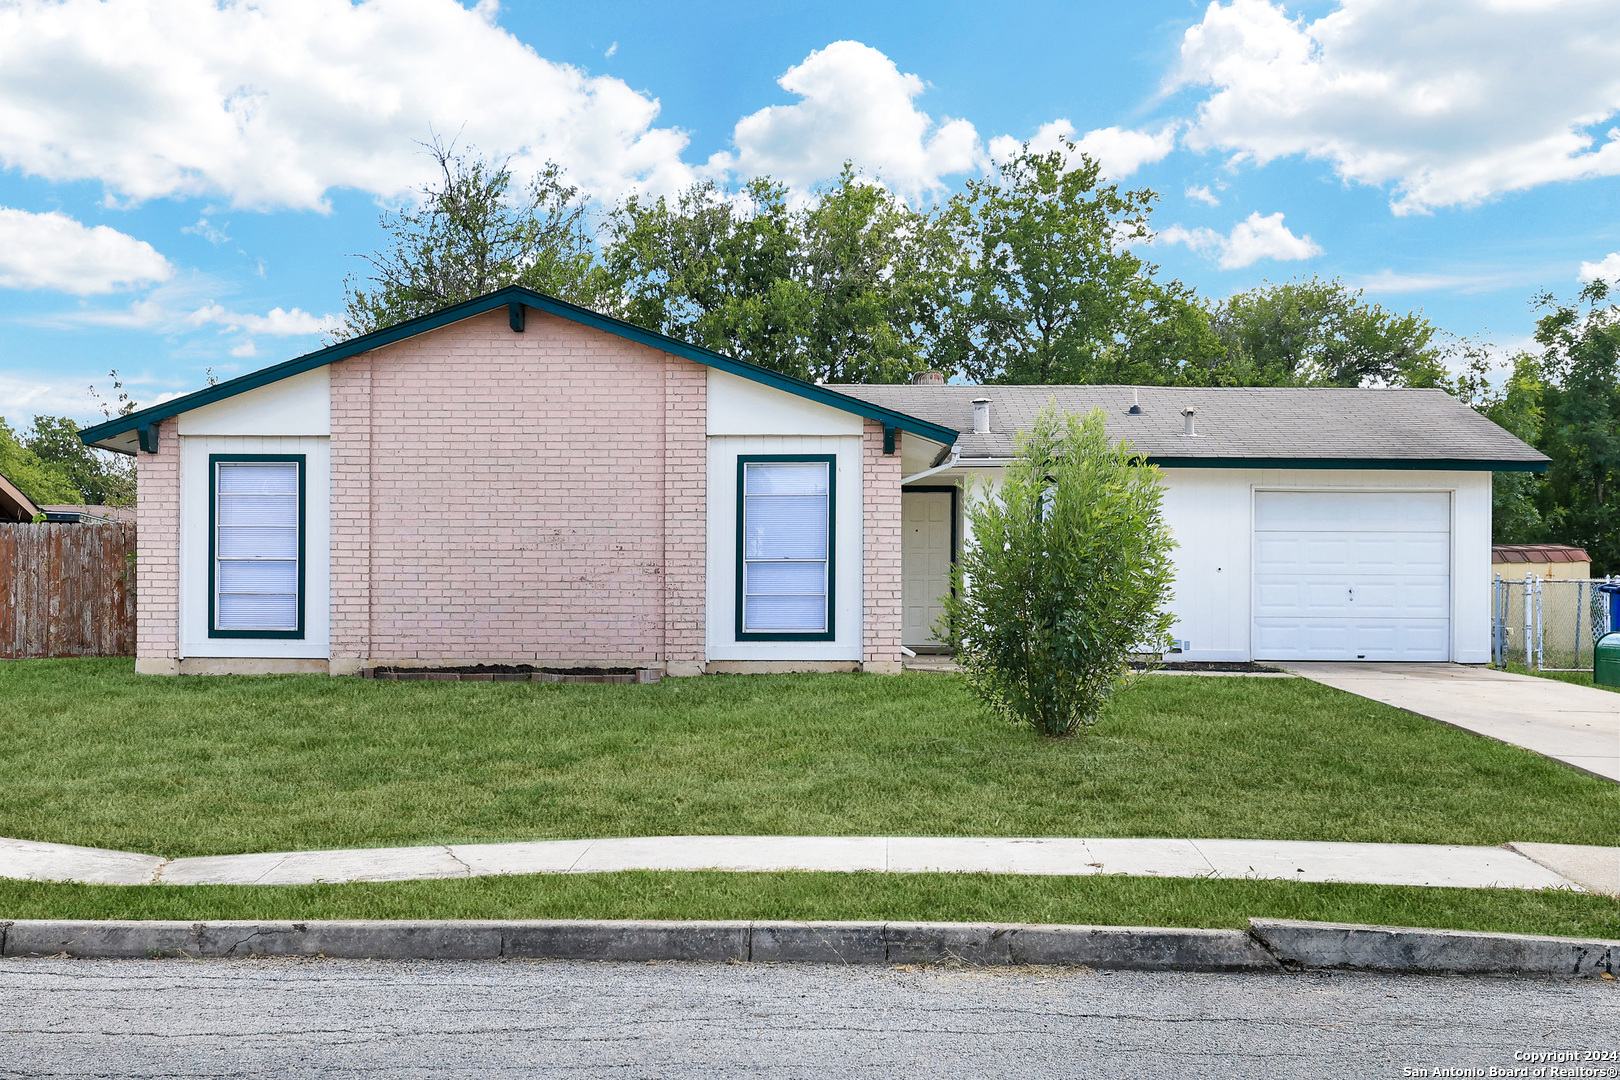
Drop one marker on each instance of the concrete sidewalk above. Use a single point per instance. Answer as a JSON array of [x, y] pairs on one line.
[[1578, 725], [1552, 866]]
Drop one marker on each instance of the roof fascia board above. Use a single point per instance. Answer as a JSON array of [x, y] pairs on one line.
[[518, 295], [1403, 464], [1432, 464]]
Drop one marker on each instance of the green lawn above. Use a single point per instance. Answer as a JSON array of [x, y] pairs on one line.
[[1579, 678], [1097, 901], [93, 754]]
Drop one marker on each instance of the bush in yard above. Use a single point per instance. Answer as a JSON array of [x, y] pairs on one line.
[[1065, 577]]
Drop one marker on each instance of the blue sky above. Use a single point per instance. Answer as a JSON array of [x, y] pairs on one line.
[[185, 183]]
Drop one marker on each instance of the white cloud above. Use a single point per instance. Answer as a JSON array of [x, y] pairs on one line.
[[1450, 101], [1118, 151], [209, 232], [277, 323], [53, 251], [855, 105], [1388, 281], [274, 105], [1250, 240], [1204, 195], [1608, 269]]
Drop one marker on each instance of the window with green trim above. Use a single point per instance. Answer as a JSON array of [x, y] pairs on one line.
[[785, 557], [256, 545]]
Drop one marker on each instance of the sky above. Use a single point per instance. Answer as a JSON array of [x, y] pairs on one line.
[[185, 185]]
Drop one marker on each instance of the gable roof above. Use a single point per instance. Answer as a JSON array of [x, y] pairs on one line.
[[14, 505], [1238, 427], [515, 298]]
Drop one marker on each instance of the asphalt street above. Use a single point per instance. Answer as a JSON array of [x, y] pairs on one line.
[[292, 1018]]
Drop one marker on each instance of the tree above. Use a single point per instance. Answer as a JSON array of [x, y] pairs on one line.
[[1580, 359], [870, 266], [833, 291], [1322, 333], [1517, 405], [713, 270], [471, 235], [1047, 291], [41, 481], [99, 477], [1065, 576]]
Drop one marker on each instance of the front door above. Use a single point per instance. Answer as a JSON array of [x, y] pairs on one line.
[[925, 563]]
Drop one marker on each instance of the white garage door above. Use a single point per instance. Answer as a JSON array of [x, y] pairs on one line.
[[1350, 575]]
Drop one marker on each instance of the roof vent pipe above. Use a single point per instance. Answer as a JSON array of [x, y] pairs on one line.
[[1187, 415], [981, 416], [928, 378]]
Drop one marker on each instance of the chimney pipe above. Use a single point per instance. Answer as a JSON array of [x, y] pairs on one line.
[[981, 416], [1187, 415], [928, 378]]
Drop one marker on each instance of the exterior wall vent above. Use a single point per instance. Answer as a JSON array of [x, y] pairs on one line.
[[981, 416]]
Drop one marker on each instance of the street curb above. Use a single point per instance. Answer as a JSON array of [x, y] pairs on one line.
[[1410, 950], [979, 944], [1269, 945]]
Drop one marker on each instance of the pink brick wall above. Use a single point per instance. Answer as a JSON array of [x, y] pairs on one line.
[[881, 529], [157, 548], [533, 496], [351, 510]]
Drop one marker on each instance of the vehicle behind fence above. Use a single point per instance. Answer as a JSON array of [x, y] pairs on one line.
[[1548, 624], [67, 590]]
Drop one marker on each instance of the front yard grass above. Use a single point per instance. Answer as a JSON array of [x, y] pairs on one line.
[[93, 754], [1096, 901]]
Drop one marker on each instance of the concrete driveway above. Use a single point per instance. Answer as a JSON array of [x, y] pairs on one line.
[[1577, 725]]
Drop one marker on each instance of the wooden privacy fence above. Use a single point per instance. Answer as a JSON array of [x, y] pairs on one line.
[[67, 590]]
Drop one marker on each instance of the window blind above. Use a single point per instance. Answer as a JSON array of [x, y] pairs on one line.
[[785, 546], [256, 545]]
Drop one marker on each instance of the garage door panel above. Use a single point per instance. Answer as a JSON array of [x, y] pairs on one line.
[[1353, 511], [1352, 575], [1351, 639]]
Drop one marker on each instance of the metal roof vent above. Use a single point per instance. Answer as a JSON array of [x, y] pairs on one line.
[[1136, 403], [1187, 415], [928, 378], [981, 416]]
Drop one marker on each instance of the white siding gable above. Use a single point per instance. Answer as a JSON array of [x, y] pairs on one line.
[[300, 405]]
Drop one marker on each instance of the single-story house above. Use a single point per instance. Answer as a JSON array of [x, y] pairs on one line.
[[1513, 561], [518, 480]]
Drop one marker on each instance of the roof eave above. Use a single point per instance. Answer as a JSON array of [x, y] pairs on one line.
[[1408, 464]]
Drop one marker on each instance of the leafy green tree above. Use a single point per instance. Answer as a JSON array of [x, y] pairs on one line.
[[1322, 333], [870, 266], [1580, 358], [473, 234], [1046, 289], [1516, 405], [99, 477], [1066, 574], [832, 291], [41, 481], [714, 270]]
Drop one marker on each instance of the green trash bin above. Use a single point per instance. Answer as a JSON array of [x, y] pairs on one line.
[[1606, 660]]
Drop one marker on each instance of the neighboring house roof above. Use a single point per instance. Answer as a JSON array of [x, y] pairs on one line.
[[14, 505], [515, 299], [88, 513], [1538, 553], [1272, 427]]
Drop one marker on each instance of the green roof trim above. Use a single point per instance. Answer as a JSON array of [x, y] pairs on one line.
[[516, 295], [1435, 464]]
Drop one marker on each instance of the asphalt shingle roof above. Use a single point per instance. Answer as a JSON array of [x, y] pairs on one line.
[[1278, 423]]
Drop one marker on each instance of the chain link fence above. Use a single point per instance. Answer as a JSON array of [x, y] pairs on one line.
[[1548, 624]]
